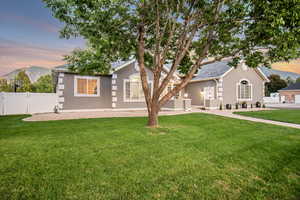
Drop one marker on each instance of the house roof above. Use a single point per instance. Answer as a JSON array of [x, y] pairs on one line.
[[115, 66], [217, 70], [295, 86], [207, 72], [214, 70]]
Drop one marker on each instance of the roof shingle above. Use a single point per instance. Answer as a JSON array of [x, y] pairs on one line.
[[295, 86]]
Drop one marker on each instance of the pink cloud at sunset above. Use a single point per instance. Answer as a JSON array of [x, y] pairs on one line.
[[16, 55]]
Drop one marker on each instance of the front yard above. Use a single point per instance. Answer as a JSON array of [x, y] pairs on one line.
[[194, 156], [285, 115]]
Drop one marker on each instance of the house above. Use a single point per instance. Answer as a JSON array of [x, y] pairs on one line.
[[291, 93], [218, 83], [121, 89]]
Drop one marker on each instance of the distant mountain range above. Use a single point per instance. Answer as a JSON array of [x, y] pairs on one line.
[[282, 74], [35, 72]]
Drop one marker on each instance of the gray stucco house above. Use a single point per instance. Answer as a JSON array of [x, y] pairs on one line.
[[121, 89]]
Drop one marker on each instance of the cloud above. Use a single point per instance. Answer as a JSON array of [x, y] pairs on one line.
[[41, 25], [292, 66], [15, 55]]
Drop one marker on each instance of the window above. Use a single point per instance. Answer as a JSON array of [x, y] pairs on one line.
[[209, 93], [86, 86], [133, 90], [244, 90]]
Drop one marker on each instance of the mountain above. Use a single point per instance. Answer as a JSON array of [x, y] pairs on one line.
[[33, 72], [282, 74]]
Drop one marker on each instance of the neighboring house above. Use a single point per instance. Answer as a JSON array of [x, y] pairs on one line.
[[291, 93], [121, 89]]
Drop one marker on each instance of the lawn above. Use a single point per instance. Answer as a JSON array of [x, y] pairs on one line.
[[285, 115], [193, 156]]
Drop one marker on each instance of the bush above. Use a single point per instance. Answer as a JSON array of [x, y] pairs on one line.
[[237, 106], [228, 106], [258, 104]]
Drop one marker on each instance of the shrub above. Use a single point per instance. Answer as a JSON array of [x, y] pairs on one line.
[[237, 106], [228, 106], [258, 104], [244, 105]]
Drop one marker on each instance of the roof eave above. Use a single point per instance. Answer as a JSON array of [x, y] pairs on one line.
[[206, 79]]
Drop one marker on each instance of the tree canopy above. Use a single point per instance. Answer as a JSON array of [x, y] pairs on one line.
[[275, 84], [22, 82], [5, 86], [44, 84], [181, 33]]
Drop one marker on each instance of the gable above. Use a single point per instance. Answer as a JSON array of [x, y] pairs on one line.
[[237, 74]]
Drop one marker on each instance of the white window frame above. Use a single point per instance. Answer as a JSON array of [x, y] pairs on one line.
[[88, 78], [213, 91], [237, 90], [124, 90]]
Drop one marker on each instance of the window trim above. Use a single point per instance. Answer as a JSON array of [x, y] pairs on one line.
[[237, 90], [213, 88], [124, 90], [88, 78]]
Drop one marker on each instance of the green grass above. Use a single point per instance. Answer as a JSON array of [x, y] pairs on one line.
[[285, 115], [194, 156]]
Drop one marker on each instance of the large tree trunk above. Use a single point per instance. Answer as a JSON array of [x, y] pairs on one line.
[[153, 114], [153, 119]]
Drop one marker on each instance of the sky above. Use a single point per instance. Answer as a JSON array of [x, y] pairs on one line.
[[29, 36]]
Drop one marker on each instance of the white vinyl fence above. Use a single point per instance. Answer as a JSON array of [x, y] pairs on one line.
[[271, 100], [27, 103], [297, 99]]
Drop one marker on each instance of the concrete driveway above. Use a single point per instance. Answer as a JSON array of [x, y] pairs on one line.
[[110, 114]]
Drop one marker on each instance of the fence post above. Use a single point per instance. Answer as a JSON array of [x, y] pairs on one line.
[[2, 104], [28, 103]]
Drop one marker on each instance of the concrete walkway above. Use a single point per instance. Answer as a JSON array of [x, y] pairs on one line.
[[110, 114]]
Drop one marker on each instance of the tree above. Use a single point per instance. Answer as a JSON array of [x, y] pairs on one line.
[[22, 82], [159, 32], [5, 86], [289, 80], [275, 84], [44, 84], [298, 80]]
